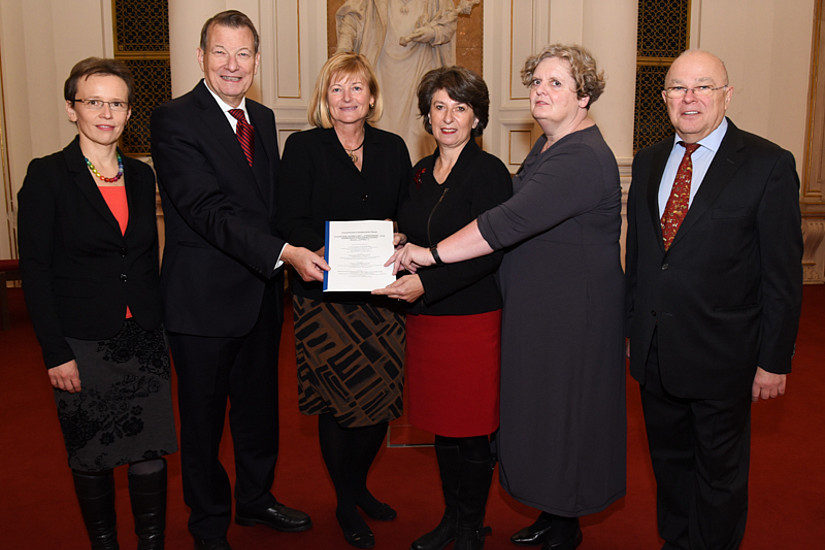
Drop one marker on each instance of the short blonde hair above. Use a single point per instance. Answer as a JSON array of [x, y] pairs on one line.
[[589, 80], [343, 63]]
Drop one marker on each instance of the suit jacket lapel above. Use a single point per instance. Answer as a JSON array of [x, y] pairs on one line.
[[217, 125], [86, 184], [657, 168], [264, 136], [720, 172], [132, 200]]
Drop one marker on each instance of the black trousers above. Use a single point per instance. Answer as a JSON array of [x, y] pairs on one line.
[[243, 372], [700, 451]]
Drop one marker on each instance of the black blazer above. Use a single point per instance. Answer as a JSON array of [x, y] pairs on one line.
[[431, 212], [725, 298], [79, 271], [319, 182], [221, 245]]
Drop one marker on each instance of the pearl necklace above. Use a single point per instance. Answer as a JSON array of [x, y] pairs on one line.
[[99, 175]]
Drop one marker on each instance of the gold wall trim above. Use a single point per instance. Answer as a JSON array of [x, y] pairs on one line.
[[9, 204]]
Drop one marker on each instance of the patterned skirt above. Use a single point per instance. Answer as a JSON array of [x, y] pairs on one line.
[[350, 360], [123, 412]]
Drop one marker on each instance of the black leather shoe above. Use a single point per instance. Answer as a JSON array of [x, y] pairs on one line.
[[219, 543], [533, 535], [558, 542], [277, 516], [438, 538], [382, 512], [359, 537]]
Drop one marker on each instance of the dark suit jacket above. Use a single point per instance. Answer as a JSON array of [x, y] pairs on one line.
[[432, 212], [221, 245], [79, 271], [319, 182], [725, 298]]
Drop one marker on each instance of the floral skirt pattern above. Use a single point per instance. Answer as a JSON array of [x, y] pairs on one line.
[[123, 412]]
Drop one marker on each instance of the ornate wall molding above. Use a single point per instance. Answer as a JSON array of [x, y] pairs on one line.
[[812, 200]]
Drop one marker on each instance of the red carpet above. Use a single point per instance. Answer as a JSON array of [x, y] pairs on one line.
[[38, 510]]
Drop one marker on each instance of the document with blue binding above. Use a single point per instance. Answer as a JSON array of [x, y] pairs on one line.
[[356, 252]]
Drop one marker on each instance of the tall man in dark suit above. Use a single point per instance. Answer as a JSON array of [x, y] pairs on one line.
[[216, 157], [714, 252]]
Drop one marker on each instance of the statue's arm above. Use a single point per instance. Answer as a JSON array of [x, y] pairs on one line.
[[349, 25]]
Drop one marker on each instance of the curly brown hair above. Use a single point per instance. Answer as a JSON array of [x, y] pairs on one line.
[[589, 80]]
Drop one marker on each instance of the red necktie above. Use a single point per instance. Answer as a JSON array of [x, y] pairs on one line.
[[677, 203], [245, 133]]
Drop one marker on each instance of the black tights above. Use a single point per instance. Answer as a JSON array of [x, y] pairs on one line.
[[475, 448], [348, 454], [139, 468]]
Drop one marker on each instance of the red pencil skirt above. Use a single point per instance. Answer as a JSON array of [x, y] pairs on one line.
[[453, 373]]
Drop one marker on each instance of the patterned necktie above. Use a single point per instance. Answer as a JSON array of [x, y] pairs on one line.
[[245, 133], [677, 203]]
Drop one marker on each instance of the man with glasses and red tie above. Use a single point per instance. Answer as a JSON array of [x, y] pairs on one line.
[[216, 156], [714, 251]]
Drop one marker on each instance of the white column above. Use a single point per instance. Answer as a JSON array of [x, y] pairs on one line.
[[609, 32], [186, 17]]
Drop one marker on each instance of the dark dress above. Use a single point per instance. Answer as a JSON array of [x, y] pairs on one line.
[[349, 346], [454, 329], [80, 272], [563, 426]]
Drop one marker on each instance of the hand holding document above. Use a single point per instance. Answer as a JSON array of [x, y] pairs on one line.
[[356, 252]]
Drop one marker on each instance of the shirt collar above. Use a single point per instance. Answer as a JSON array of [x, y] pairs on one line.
[[711, 141], [225, 107]]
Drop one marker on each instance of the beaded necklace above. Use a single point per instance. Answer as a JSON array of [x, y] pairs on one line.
[[99, 175]]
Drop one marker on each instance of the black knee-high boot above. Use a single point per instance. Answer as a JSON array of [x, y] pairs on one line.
[[449, 467], [147, 492], [96, 494], [476, 476]]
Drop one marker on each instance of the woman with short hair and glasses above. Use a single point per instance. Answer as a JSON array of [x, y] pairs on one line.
[[89, 258]]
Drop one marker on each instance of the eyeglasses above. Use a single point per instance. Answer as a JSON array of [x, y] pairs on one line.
[[678, 92], [97, 105]]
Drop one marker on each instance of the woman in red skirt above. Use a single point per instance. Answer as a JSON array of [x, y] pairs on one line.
[[453, 324]]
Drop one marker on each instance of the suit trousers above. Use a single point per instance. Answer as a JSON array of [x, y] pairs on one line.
[[700, 451], [244, 372]]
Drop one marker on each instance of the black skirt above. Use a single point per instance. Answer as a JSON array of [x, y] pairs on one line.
[[123, 412]]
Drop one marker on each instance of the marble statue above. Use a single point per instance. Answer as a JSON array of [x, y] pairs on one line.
[[403, 39]]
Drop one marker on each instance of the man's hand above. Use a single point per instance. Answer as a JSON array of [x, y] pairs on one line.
[[767, 385], [307, 263]]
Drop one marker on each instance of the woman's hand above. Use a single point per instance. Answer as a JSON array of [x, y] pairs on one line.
[[410, 258], [398, 240], [65, 377], [407, 288]]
